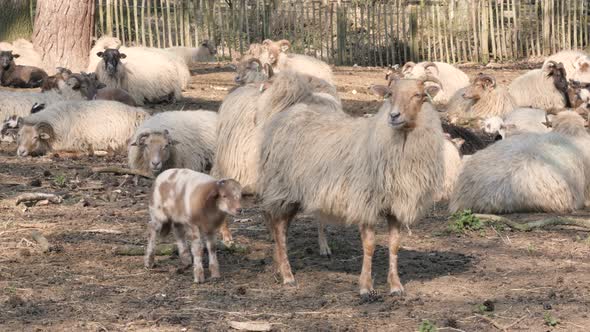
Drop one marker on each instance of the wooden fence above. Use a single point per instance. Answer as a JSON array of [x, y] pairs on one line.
[[373, 33]]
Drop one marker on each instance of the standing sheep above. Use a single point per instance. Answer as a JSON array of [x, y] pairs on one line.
[[79, 126], [355, 170], [183, 200], [537, 88], [451, 78], [147, 76], [529, 173], [17, 76]]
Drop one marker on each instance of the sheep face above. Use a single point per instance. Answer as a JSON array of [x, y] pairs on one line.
[[227, 196], [7, 59], [481, 85], [34, 140], [557, 72], [210, 46], [404, 101], [272, 50], [112, 59], [156, 148], [578, 93], [251, 71]]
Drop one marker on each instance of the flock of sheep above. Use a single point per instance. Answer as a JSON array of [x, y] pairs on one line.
[[282, 134]]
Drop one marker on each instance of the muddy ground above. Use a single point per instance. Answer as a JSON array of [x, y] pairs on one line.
[[81, 284]]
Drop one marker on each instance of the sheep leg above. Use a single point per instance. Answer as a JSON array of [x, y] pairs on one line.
[[279, 229], [197, 251], [323, 240], [185, 257], [365, 280], [213, 263], [226, 234], [395, 284], [154, 228]]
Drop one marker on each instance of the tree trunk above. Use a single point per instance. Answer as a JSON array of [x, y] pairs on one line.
[[63, 31], [15, 20]]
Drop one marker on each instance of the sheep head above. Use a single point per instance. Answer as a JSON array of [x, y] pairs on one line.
[[7, 59], [252, 70], [209, 45], [10, 128], [272, 50], [578, 93], [226, 194], [404, 100], [407, 68], [111, 58], [34, 139], [155, 148], [481, 85]]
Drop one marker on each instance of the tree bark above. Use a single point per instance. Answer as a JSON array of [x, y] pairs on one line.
[[63, 31], [15, 20]]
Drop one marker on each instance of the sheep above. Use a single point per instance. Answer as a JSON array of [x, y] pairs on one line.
[[183, 199], [20, 103], [486, 99], [576, 64], [191, 56], [537, 89], [252, 71], [100, 45], [79, 126], [451, 78], [176, 139], [578, 93], [28, 55], [144, 82], [275, 54], [10, 128], [52, 82], [17, 76], [539, 172], [452, 166], [354, 170], [471, 141]]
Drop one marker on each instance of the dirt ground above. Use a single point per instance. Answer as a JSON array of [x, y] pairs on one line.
[[82, 284]]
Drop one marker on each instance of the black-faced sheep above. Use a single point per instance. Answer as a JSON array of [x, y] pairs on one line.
[[451, 79], [185, 200], [576, 64], [79, 126], [177, 139], [148, 75], [540, 172], [485, 99], [28, 55], [538, 89], [17, 76], [353, 170]]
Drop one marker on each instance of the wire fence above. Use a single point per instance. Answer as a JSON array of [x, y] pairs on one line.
[[372, 33]]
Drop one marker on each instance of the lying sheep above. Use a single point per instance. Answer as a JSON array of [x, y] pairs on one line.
[[451, 78], [471, 141], [100, 45], [185, 200], [578, 93], [519, 121], [52, 82], [353, 170], [275, 54], [576, 64], [156, 84], [485, 99], [17, 76], [10, 128], [79, 126], [192, 56], [177, 139], [28, 55], [539, 172], [537, 88], [252, 71], [115, 94]]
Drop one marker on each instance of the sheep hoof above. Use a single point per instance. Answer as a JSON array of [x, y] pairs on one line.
[[397, 292], [149, 264], [370, 296], [326, 252], [290, 283]]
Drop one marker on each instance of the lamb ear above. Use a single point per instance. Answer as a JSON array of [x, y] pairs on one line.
[[380, 90]]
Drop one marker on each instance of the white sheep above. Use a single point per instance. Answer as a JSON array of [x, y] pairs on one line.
[[576, 64], [79, 126], [192, 55], [28, 55], [451, 78], [353, 170], [519, 121], [452, 167], [529, 172], [176, 139], [537, 88], [184, 200]]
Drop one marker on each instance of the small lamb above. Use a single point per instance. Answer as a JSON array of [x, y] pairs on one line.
[[183, 200]]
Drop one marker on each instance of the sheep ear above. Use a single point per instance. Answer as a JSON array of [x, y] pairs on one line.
[[408, 67], [15, 56], [44, 136], [122, 55], [380, 90], [100, 54], [74, 83]]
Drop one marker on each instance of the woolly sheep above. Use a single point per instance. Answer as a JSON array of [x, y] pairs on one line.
[[152, 83], [539, 172], [176, 139], [79, 126], [576, 64], [251, 70], [353, 170], [28, 55], [18, 76], [52, 82], [185, 200], [536, 89], [191, 55], [487, 99], [452, 167], [451, 78]]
